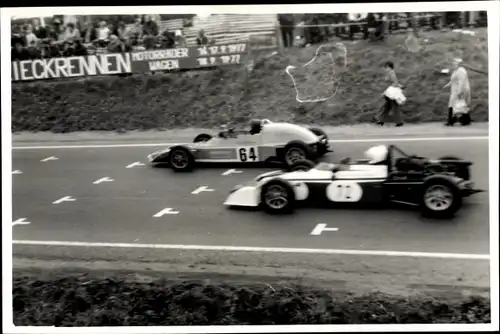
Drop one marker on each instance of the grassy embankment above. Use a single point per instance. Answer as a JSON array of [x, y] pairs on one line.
[[90, 301], [207, 99]]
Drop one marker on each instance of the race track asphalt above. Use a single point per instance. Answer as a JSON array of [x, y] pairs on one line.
[[121, 211]]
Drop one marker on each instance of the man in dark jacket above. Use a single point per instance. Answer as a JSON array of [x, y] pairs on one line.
[[287, 26], [79, 49], [34, 50], [150, 29], [17, 37], [39, 31], [201, 39], [19, 52], [168, 39]]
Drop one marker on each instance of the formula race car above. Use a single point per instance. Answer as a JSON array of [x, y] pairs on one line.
[[387, 175], [265, 141]]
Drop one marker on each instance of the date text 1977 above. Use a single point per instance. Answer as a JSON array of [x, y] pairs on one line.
[[221, 49], [221, 60]]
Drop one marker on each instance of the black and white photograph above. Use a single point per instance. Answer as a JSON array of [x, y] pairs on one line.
[[250, 168]]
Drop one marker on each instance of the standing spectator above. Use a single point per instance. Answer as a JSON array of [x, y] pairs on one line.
[[67, 49], [135, 31], [460, 96], [52, 50], [180, 41], [56, 32], [150, 27], [393, 96], [150, 30], [88, 33], [79, 48], [29, 35], [17, 37], [168, 40], [201, 39], [117, 46], [102, 32], [39, 31], [413, 23], [71, 33], [19, 52], [287, 26], [112, 29], [34, 49], [121, 31]]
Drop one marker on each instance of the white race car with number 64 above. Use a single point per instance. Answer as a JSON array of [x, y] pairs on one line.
[[264, 142]]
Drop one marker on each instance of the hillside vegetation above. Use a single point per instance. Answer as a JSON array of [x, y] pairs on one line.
[[83, 301], [209, 98]]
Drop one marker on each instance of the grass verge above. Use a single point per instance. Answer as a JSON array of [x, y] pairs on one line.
[[84, 300], [208, 98]]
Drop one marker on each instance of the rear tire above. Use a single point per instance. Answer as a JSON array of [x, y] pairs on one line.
[[441, 198], [277, 197], [295, 151], [202, 137], [180, 159], [303, 165]]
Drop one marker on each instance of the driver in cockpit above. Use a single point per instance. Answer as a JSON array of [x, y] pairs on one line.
[[377, 155], [255, 126]]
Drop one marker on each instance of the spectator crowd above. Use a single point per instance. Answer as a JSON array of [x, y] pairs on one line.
[[34, 41]]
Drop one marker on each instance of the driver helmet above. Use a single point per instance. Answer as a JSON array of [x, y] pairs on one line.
[[376, 154], [255, 126]]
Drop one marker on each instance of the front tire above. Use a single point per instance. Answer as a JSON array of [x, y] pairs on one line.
[[277, 197], [441, 198], [181, 159]]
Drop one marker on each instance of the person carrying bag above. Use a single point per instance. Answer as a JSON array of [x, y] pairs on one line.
[[393, 96]]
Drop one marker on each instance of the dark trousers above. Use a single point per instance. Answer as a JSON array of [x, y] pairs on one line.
[[463, 119], [287, 35], [388, 106]]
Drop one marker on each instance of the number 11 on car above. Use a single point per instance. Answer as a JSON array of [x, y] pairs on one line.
[[248, 154]]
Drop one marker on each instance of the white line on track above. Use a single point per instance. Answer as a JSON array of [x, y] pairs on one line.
[[256, 249], [367, 140]]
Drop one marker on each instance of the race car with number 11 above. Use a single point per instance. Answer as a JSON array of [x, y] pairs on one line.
[[388, 175]]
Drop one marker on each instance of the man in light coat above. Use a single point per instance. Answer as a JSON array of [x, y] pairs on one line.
[[460, 97]]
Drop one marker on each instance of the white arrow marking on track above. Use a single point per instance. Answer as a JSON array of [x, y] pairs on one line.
[[322, 227], [133, 164], [64, 199], [166, 211], [231, 171], [49, 158], [201, 189], [17, 171], [21, 221], [104, 179]]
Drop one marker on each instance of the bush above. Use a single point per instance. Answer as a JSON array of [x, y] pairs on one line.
[[208, 98], [80, 301]]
